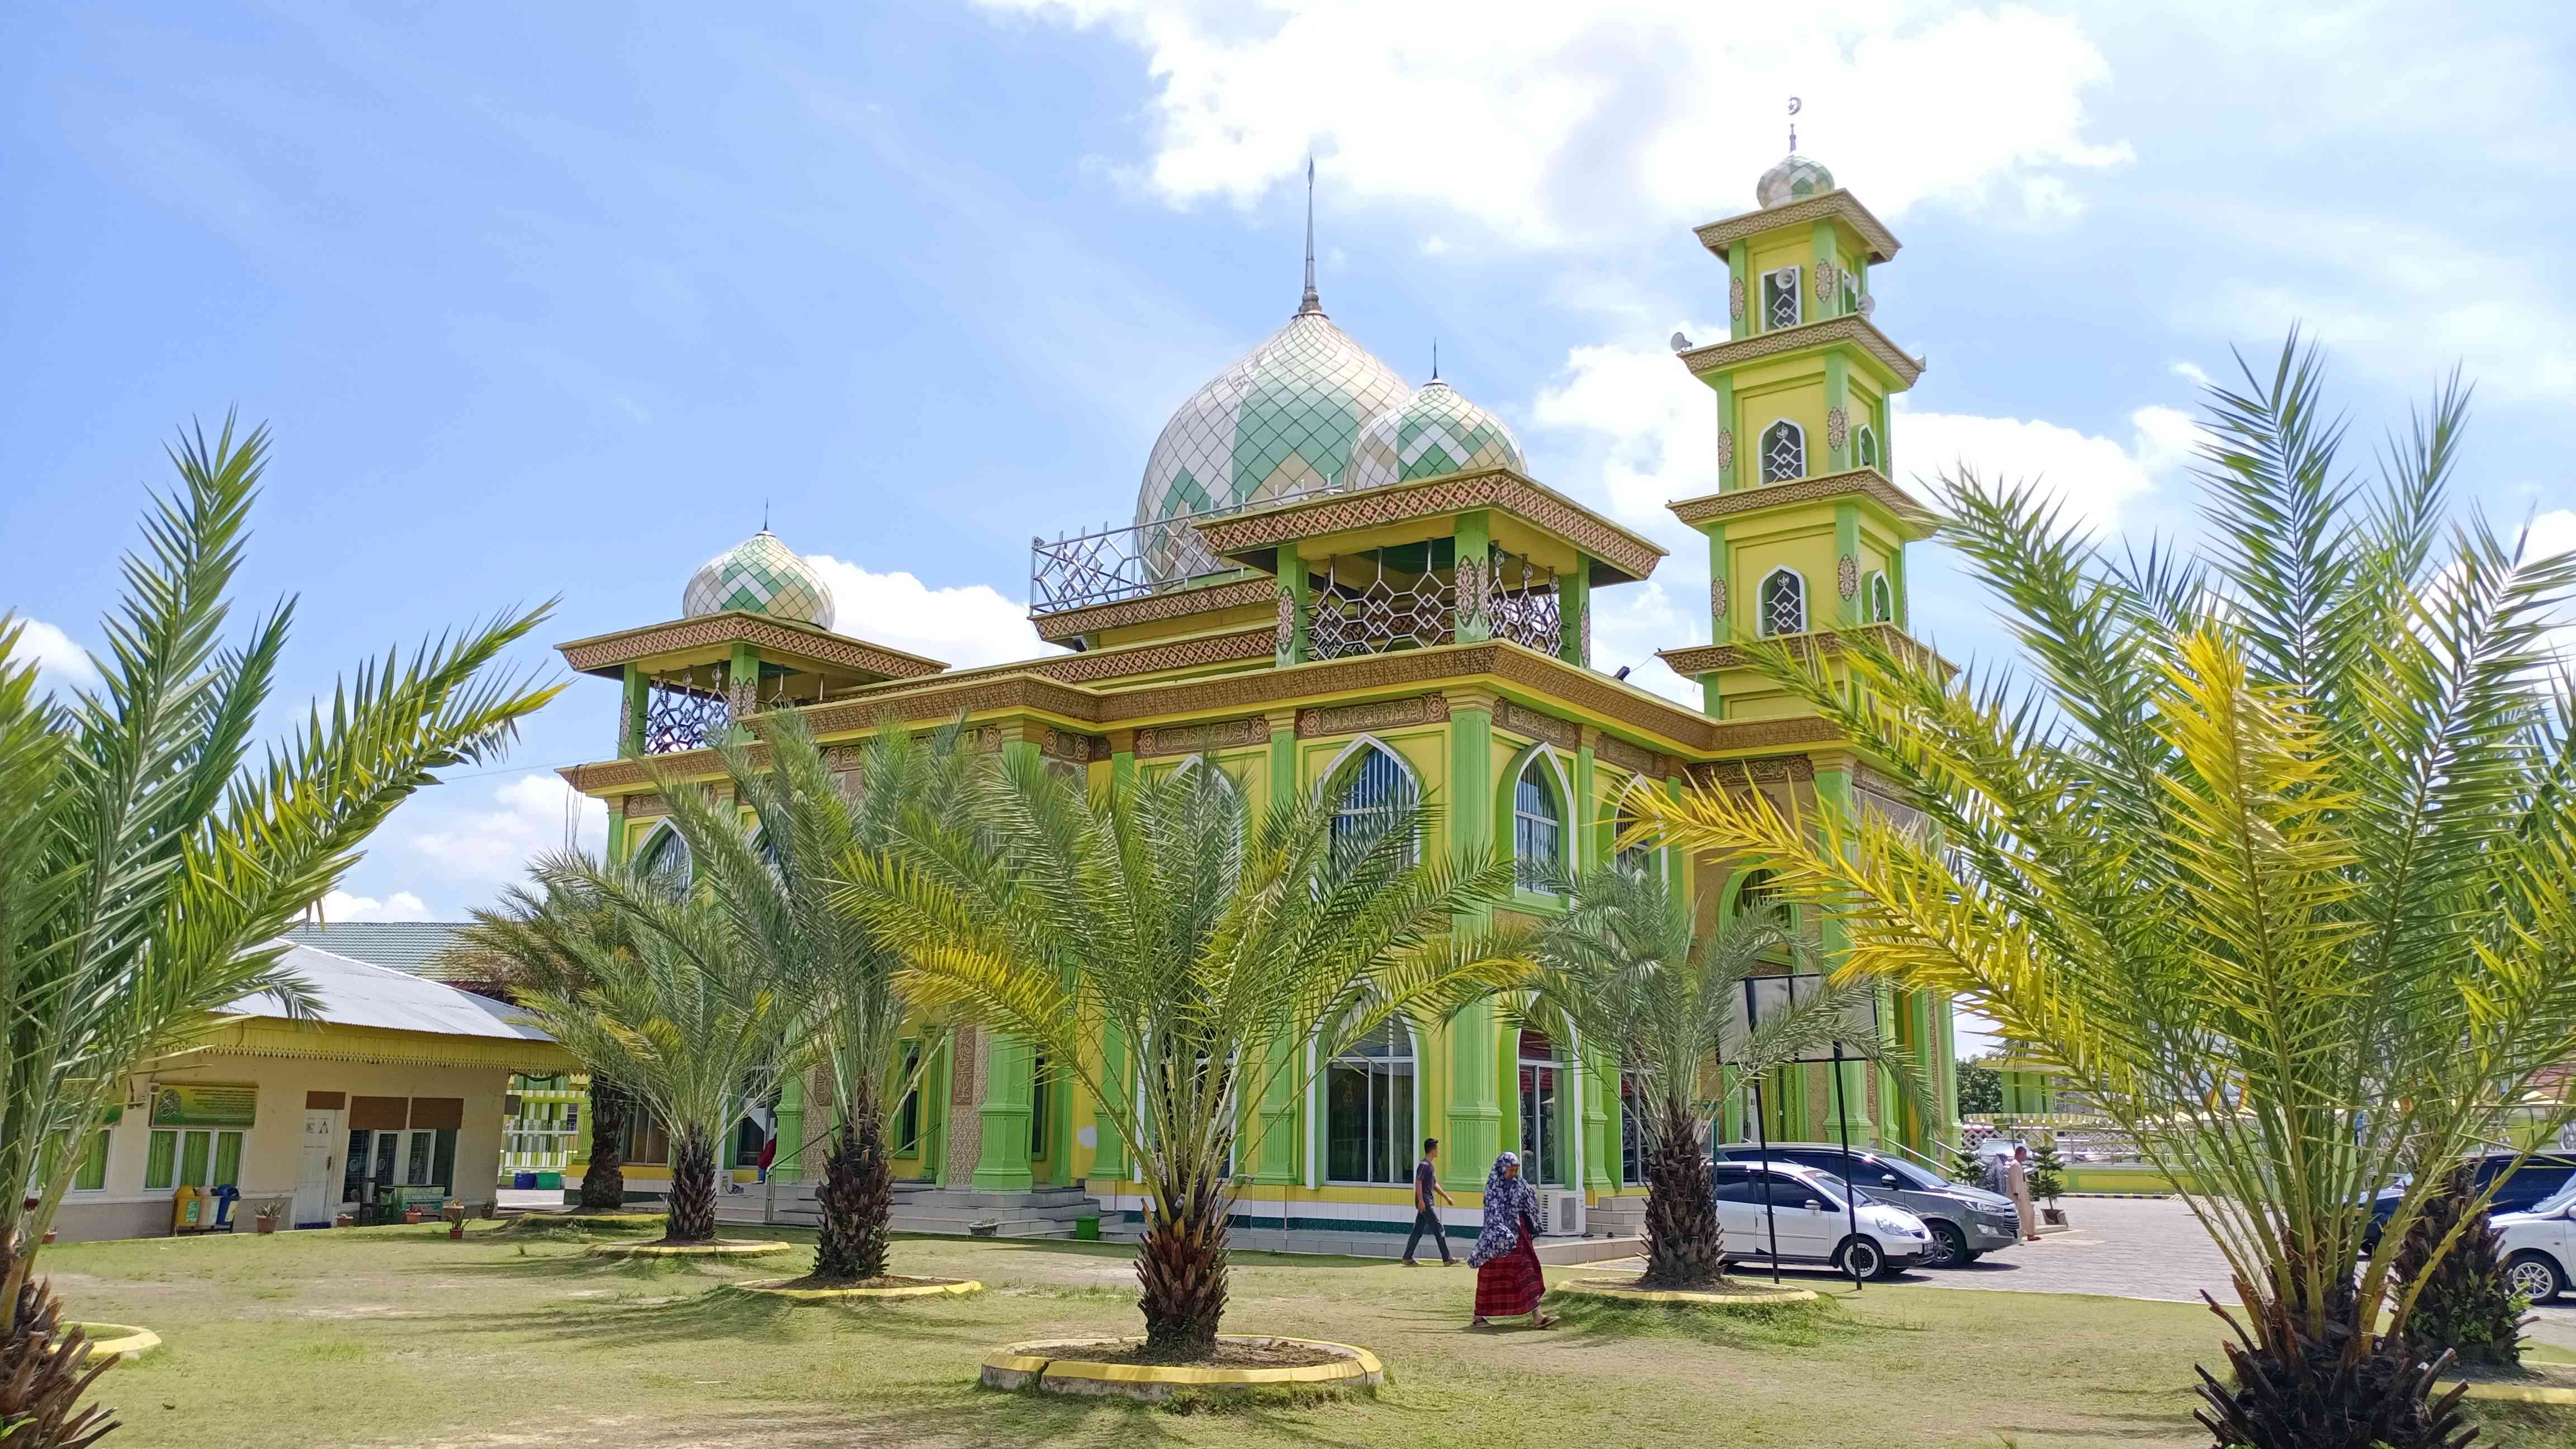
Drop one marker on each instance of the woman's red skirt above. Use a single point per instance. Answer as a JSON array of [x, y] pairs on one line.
[[1512, 1283]]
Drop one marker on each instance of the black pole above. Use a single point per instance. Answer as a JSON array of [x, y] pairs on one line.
[[1762, 1141], [1851, 1184]]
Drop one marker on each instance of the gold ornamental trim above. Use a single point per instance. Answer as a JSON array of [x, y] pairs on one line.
[[1513, 492], [603, 652], [1838, 204], [1850, 327], [1866, 482], [1383, 714], [1072, 745], [1059, 625], [1735, 774], [1521, 719], [1154, 743], [1712, 658], [1635, 759]]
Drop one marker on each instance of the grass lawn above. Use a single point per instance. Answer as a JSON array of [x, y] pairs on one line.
[[398, 1336]]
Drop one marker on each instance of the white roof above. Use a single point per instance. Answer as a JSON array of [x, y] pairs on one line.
[[354, 993]]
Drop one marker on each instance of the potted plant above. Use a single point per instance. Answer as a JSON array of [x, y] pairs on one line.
[[413, 1215], [267, 1218], [2047, 1180], [345, 1220]]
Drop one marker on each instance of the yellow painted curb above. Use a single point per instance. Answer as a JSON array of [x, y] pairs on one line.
[[1013, 1367], [771, 1286], [2513, 1393], [1621, 1292], [119, 1340], [721, 1248]]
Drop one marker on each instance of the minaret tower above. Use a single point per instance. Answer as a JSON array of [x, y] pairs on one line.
[[1806, 533]]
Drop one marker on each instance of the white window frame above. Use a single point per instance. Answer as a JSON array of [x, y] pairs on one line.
[[1320, 1102], [1656, 862], [1865, 451], [1797, 276], [1568, 856], [1762, 450], [1870, 590], [1762, 626], [1372, 742]]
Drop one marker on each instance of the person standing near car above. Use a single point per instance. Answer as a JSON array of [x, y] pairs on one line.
[[2017, 1187], [1426, 1181]]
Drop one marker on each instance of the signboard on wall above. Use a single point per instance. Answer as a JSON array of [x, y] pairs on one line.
[[1766, 996], [205, 1104]]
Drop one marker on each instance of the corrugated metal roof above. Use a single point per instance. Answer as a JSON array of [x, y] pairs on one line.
[[412, 946], [354, 993]]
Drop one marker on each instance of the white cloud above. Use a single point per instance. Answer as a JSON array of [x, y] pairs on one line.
[[536, 814], [1653, 424], [2094, 477], [1547, 122], [961, 627], [341, 906], [62, 662], [2550, 534], [2191, 372]]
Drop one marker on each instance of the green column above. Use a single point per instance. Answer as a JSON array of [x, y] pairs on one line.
[[790, 1161], [1600, 1138], [1475, 541], [1849, 609], [1831, 303], [616, 828], [1003, 1164], [1594, 828], [1838, 455], [1721, 621], [1475, 1115], [1279, 1156], [1291, 648], [1729, 446], [1846, 1109], [1109, 1154], [745, 668], [1573, 604], [639, 693]]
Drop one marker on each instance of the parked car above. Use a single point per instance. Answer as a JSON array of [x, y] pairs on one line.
[[2539, 1246], [2539, 1179], [1966, 1222], [1811, 1218]]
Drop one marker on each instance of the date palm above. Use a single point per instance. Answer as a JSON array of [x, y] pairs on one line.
[[2275, 859], [1204, 947], [148, 864], [1628, 971], [679, 1020]]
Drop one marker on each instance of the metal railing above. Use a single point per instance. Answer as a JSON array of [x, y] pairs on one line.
[[1109, 563]]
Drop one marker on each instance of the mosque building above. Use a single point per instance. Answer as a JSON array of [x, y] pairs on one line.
[[1327, 562]]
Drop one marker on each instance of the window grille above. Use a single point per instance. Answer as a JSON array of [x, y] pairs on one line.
[[1784, 452], [1538, 830], [1784, 603], [1780, 302]]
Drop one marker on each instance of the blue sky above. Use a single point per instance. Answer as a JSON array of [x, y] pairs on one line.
[[555, 299]]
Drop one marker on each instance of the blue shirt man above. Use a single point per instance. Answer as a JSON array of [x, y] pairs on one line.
[[1426, 1183]]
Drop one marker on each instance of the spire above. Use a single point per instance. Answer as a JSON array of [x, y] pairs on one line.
[[1310, 303], [764, 515], [1435, 359]]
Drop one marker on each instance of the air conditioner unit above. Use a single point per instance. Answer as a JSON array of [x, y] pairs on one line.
[[1562, 1213]]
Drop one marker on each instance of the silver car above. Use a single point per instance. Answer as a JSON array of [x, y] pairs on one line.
[[1966, 1222]]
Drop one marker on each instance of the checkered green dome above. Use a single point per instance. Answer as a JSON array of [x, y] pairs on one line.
[[763, 576], [1795, 177], [1279, 421], [1434, 431]]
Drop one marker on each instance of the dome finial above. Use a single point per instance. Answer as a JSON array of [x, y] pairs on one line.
[[1435, 359], [1310, 304], [1793, 125]]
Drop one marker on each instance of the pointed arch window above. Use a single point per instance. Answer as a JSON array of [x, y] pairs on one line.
[[1368, 1107], [666, 855], [1865, 448], [1784, 452], [1543, 1119], [1639, 857], [1782, 603], [1538, 828], [1881, 598], [1781, 298], [1378, 791]]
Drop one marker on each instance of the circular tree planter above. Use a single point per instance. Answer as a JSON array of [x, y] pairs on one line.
[[889, 1287], [118, 1340], [1736, 1295], [1086, 1366], [720, 1248]]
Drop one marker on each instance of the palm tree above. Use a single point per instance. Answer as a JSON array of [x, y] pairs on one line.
[[1625, 968], [1204, 948], [679, 1020], [772, 893], [525, 945], [2273, 860]]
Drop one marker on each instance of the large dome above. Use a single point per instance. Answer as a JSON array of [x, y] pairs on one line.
[[1280, 420], [1794, 178], [1434, 431], [763, 576]]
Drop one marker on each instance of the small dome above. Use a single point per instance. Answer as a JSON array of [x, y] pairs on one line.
[[762, 576], [1796, 177], [1434, 431]]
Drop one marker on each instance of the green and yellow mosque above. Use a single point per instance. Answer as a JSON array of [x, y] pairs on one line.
[[1326, 561]]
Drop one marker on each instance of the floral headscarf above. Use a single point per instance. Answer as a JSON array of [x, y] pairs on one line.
[[1506, 1200]]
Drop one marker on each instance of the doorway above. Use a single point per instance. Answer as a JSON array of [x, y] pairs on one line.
[[317, 1176]]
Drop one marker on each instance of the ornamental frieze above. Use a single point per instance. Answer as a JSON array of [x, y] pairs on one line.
[[1777, 770], [1521, 719], [1847, 575], [1384, 714], [1199, 739], [1632, 758], [1082, 749]]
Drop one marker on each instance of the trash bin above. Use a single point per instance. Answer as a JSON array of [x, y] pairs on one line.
[[523, 1181], [550, 1180], [1086, 1228], [225, 1197]]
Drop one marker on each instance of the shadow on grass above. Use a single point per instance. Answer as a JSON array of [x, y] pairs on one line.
[[1596, 1322]]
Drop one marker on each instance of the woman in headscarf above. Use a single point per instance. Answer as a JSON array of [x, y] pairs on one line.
[[1508, 1281]]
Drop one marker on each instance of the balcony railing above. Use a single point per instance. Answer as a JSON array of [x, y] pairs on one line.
[[1078, 570]]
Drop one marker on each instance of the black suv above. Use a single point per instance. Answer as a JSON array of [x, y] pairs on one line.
[[2540, 1177]]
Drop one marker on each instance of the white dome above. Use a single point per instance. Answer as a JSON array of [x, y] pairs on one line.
[[1793, 178], [1279, 421], [1434, 431], [763, 576]]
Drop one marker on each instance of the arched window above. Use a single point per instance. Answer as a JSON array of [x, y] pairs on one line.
[[1214, 771], [1368, 1107], [1754, 893], [1632, 1129], [1783, 603], [1784, 452], [1881, 598], [1379, 790], [1780, 298], [1640, 856], [666, 855], [1543, 1096], [1865, 448], [1538, 829]]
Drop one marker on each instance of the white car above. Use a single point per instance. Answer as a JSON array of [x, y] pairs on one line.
[[1812, 1222], [2539, 1246]]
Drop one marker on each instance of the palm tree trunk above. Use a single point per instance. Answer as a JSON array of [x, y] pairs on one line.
[[857, 1197], [603, 1182], [2349, 1388], [1181, 1266], [693, 1189], [1685, 1246], [43, 1373]]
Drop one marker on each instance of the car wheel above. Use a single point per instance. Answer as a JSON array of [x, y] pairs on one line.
[[2534, 1275], [1949, 1247], [1861, 1259]]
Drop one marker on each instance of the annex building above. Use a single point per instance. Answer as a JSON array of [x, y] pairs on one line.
[[1327, 560]]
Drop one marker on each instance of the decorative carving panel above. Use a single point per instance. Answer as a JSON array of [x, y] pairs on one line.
[[1082, 749], [1847, 575], [1521, 719], [1199, 739], [1837, 428], [1385, 714], [1632, 758]]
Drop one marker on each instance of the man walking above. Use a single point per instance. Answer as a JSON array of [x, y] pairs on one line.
[[2017, 1187], [1426, 1182]]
